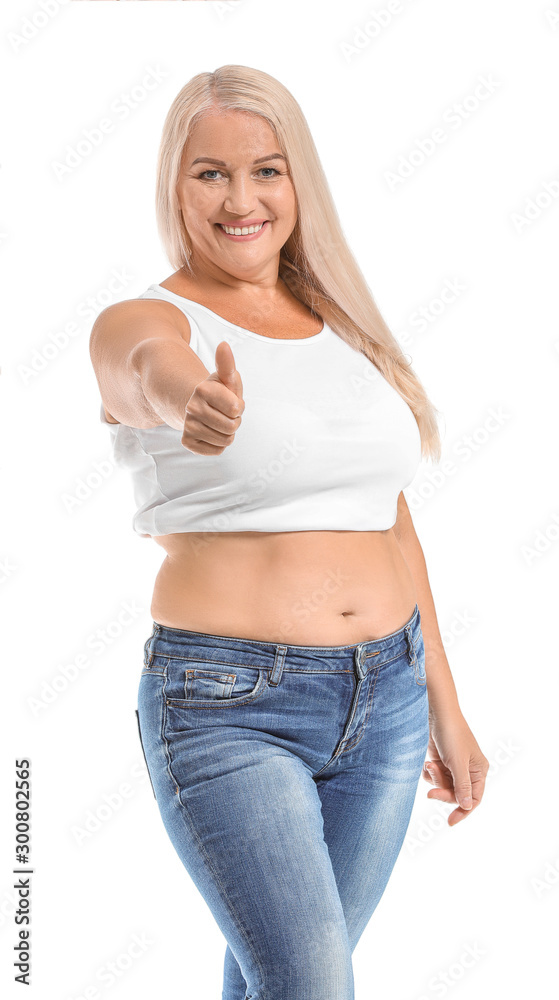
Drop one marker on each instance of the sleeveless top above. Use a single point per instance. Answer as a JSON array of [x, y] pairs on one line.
[[324, 443]]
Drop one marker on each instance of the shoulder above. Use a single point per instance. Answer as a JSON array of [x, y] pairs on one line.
[[121, 327], [141, 312]]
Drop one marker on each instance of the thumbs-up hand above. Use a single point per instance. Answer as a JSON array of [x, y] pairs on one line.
[[213, 412]]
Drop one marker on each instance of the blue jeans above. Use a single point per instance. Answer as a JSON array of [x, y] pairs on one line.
[[285, 776]]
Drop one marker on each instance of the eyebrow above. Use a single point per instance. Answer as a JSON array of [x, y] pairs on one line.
[[221, 163]]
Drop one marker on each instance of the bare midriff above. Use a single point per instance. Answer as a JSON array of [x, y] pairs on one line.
[[317, 588]]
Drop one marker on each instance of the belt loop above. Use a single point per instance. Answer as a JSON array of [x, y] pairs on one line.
[[359, 659], [148, 655], [277, 671], [411, 647]]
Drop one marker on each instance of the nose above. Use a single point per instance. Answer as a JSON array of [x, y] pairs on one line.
[[239, 200]]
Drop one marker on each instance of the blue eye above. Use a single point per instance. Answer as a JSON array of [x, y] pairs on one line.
[[204, 172]]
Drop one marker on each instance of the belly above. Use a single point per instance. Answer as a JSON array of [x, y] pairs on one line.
[[304, 587]]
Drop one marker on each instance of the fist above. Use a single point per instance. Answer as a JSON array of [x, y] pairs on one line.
[[213, 412]]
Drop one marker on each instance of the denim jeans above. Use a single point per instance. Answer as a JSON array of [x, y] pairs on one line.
[[285, 776]]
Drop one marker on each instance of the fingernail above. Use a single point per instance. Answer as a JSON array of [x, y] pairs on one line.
[[467, 802]]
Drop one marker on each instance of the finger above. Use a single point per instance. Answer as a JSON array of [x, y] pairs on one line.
[[451, 785], [437, 774], [448, 798], [457, 815], [442, 794], [448, 795], [217, 404], [198, 430], [463, 786], [444, 790], [441, 779], [225, 368], [428, 772], [201, 431], [203, 448], [478, 786]]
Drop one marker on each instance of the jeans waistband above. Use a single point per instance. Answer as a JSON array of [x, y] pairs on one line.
[[173, 642]]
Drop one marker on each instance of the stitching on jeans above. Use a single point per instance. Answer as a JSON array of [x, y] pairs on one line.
[[391, 660], [217, 676], [144, 752], [293, 670], [148, 663], [223, 677], [290, 670], [341, 749], [359, 735], [200, 659], [261, 686], [188, 820]]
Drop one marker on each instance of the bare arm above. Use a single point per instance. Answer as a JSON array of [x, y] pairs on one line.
[[144, 367], [441, 690], [457, 768]]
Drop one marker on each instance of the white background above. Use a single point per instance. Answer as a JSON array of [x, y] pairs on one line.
[[487, 515]]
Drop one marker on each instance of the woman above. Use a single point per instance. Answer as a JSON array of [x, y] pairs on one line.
[[295, 675]]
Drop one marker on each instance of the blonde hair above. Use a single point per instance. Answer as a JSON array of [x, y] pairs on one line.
[[316, 262]]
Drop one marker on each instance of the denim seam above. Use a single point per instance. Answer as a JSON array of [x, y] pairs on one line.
[[292, 670], [149, 661], [164, 738], [188, 822], [338, 751], [359, 735], [349, 670], [200, 659], [144, 752], [352, 709]]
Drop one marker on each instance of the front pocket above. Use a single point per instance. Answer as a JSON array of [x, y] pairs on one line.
[[208, 685], [203, 685]]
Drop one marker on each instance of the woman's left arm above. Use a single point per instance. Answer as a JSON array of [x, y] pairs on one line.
[[457, 768]]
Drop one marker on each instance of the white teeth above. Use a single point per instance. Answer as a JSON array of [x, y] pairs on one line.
[[242, 232]]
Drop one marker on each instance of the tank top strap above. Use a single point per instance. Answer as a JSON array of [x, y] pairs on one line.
[[157, 292]]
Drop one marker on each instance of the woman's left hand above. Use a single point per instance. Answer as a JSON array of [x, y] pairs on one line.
[[457, 768]]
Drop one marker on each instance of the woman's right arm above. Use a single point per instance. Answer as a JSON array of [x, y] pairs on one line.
[[144, 367]]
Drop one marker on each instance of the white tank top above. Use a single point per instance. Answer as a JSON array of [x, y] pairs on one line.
[[325, 442]]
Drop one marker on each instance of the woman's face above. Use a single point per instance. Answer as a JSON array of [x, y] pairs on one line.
[[233, 174]]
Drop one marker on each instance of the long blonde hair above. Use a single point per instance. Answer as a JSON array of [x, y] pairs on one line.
[[316, 263]]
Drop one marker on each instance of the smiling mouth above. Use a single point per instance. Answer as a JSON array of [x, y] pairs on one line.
[[241, 231]]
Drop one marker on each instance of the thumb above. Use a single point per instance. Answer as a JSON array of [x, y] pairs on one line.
[[463, 789], [225, 368]]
